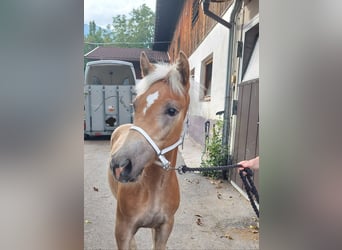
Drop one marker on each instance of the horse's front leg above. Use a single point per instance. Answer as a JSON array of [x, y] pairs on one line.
[[124, 235], [161, 234]]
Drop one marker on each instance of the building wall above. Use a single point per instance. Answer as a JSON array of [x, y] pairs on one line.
[[187, 36], [201, 40], [251, 9], [215, 44]]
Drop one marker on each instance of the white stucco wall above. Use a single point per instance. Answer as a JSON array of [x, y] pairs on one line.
[[216, 43]]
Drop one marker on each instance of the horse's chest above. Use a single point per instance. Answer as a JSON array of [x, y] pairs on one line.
[[150, 207], [153, 218], [156, 212]]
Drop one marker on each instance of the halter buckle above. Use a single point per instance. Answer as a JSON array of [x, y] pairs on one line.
[[166, 164]]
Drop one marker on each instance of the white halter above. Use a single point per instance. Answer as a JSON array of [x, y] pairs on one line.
[[160, 153]]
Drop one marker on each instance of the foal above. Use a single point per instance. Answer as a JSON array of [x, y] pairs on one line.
[[146, 190]]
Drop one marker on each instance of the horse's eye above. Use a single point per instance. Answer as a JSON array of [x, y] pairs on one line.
[[171, 111]]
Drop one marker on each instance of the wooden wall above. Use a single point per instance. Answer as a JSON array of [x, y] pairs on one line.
[[188, 36]]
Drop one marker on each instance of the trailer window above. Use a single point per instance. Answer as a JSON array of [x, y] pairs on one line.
[[109, 75]]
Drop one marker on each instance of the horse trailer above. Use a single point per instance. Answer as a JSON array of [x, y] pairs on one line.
[[109, 89]]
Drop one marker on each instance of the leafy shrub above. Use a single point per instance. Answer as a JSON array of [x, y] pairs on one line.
[[216, 154]]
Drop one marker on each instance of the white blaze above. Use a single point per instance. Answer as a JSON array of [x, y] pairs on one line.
[[150, 99]]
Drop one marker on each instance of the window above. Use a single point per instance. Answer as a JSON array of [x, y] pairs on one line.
[[251, 40], [195, 11], [206, 81]]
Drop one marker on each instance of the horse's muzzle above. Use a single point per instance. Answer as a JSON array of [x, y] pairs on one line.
[[122, 171]]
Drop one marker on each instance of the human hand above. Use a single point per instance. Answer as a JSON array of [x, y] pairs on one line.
[[252, 164]]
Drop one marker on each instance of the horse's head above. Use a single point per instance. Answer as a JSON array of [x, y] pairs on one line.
[[159, 111]]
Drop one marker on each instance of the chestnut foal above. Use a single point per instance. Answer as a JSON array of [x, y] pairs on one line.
[[143, 153]]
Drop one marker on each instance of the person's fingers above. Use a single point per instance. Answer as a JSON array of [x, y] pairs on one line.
[[243, 165]]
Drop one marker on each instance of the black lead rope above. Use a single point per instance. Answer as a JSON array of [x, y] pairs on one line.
[[250, 187], [183, 169], [246, 179]]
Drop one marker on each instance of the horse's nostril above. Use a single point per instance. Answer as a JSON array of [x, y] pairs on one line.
[[127, 168], [124, 163], [121, 169]]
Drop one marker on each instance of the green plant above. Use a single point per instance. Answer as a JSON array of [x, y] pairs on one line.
[[216, 154]]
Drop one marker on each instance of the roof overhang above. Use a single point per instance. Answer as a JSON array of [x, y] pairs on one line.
[[167, 13]]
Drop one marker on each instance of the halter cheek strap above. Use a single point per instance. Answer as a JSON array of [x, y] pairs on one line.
[[160, 153]]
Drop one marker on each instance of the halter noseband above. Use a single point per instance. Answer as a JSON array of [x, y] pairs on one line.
[[160, 153]]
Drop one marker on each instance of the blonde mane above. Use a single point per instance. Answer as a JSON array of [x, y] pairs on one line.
[[166, 72]]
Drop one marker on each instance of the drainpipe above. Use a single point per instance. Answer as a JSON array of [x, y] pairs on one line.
[[226, 116], [207, 12], [231, 26]]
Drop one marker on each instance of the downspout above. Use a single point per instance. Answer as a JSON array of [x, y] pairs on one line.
[[231, 26], [226, 116], [217, 18]]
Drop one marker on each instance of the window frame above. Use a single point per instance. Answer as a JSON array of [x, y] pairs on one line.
[[207, 77]]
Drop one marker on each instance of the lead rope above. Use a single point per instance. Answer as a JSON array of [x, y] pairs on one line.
[[250, 187]]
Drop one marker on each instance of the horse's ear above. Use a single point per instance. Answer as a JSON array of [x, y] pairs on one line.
[[145, 65], [183, 68]]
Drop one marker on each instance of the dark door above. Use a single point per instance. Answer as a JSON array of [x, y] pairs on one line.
[[246, 144]]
